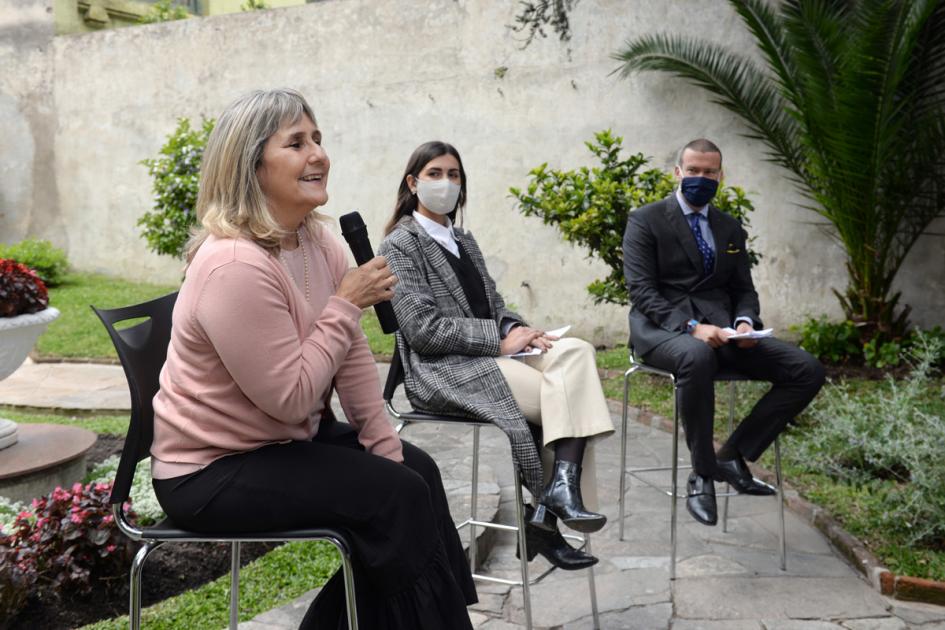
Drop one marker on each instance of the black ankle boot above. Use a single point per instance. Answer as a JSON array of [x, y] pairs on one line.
[[562, 498], [553, 547]]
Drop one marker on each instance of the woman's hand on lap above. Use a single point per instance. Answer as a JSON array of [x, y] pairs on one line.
[[368, 284], [521, 338]]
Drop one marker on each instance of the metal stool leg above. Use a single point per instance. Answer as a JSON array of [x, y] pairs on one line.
[[731, 423], [474, 500], [623, 453], [780, 481], [234, 584], [674, 483], [522, 552], [134, 592], [592, 585]]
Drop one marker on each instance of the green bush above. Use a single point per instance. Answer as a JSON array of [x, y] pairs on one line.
[[176, 175], [887, 443], [590, 206], [49, 263], [835, 342], [843, 343], [164, 11]]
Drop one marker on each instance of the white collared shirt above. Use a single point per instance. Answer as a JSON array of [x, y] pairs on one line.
[[442, 234]]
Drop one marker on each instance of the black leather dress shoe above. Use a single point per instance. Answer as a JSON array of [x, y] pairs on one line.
[[700, 499], [735, 472], [553, 547]]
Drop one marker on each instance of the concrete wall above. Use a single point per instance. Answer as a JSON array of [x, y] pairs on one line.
[[28, 193], [386, 76]]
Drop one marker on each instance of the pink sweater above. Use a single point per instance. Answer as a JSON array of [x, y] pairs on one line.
[[250, 362]]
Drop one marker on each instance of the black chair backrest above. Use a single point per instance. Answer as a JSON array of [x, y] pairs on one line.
[[142, 349], [395, 375]]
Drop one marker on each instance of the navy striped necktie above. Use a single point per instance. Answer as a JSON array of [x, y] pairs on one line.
[[708, 255]]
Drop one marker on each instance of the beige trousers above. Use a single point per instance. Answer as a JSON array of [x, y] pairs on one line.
[[560, 391]]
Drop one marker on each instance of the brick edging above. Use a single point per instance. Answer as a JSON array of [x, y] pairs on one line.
[[903, 587]]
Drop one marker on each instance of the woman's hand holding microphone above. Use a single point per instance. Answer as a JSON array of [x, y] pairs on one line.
[[368, 284]]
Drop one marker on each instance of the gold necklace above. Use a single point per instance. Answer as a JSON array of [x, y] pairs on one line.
[[304, 263]]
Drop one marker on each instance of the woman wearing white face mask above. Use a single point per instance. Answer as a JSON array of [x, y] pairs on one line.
[[454, 331]]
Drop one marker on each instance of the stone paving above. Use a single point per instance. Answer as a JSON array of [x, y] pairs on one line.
[[725, 581]]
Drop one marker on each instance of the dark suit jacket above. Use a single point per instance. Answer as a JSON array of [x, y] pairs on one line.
[[663, 269]]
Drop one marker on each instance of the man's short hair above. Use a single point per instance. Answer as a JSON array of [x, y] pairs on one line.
[[700, 145]]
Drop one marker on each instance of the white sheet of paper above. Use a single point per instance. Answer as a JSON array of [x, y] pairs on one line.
[[754, 334], [557, 332]]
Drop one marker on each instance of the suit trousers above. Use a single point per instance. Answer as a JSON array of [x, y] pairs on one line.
[[560, 391], [795, 378]]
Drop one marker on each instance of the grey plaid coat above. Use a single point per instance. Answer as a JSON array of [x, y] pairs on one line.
[[448, 354]]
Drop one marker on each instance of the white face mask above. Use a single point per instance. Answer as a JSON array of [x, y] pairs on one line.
[[438, 195]]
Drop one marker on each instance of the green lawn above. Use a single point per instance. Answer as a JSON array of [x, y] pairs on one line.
[[103, 425], [78, 333], [269, 581]]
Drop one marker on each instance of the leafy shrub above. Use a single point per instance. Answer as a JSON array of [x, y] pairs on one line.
[[147, 509], [21, 290], [176, 175], [49, 263], [9, 510], [164, 11], [590, 206], [67, 536], [886, 443], [16, 581], [843, 343], [835, 342]]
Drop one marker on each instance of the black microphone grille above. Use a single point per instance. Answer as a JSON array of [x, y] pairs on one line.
[[351, 222]]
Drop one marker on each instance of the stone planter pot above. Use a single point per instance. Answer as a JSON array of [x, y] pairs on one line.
[[18, 335]]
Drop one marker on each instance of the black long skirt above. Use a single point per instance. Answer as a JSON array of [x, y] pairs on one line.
[[410, 570]]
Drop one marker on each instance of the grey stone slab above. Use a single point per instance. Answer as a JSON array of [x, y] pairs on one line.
[[567, 599], [799, 624], [705, 624], [478, 620], [499, 624], [917, 613], [776, 598], [651, 617], [709, 565], [78, 386], [639, 562], [881, 623], [489, 603], [767, 562]]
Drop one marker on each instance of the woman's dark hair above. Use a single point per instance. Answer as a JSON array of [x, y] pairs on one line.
[[406, 200]]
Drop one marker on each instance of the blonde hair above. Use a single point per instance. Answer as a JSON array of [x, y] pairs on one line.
[[230, 202]]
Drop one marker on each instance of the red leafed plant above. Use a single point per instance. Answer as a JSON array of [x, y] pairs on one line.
[[21, 290], [66, 539]]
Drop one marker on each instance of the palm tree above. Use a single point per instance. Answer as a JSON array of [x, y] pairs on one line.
[[850, 100]]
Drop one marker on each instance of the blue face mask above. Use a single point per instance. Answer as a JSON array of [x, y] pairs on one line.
[[698, 190]]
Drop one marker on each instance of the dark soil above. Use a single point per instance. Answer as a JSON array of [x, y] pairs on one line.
[[169, 570], [838, 372]]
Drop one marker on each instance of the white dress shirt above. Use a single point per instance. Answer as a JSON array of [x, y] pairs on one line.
[[442, 234]]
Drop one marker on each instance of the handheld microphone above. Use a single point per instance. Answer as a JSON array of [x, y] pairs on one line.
[[355, 232]]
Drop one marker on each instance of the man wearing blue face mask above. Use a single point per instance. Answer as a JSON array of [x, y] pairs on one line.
[[689, 277]]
